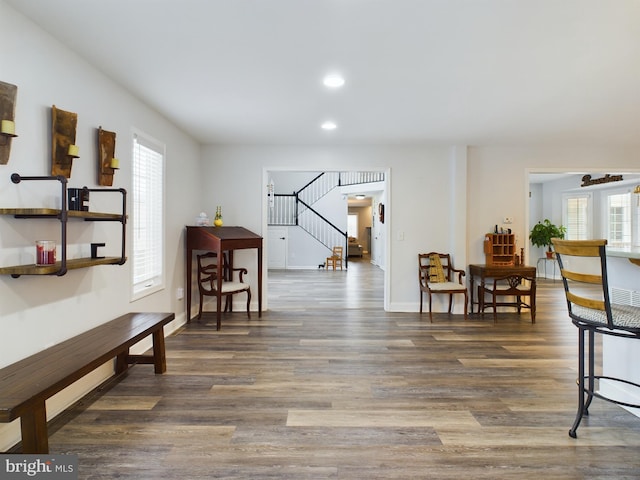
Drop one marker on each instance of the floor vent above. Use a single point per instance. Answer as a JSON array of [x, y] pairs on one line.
[[625, 297]]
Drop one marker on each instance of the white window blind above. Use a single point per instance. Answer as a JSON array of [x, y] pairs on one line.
[[148, 215], [577, 217], [619, 220]]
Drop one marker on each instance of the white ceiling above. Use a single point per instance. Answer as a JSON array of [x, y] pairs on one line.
[[467, 72]]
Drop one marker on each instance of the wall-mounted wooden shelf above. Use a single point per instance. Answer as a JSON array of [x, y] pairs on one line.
[[72, 264], [63, 215]]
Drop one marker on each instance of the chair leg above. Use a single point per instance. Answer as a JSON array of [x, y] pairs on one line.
[[421, 294], [582, 404], [591, 372], [450, 302], [430, 314], [248, 303], [200, 309]]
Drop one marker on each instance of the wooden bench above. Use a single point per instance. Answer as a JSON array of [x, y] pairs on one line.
[[28, 383]]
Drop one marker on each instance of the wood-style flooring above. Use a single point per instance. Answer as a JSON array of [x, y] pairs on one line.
[[329, 386]]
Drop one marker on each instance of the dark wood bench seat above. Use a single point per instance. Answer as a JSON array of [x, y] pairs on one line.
[[28, 383]]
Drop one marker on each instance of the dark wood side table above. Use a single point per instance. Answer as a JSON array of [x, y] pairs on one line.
[[218, 240], [491, 271]]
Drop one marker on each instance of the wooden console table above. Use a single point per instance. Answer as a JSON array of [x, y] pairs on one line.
[[491, 271], [219, 240]]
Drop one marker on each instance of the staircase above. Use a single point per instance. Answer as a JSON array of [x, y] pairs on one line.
[[297, 209]]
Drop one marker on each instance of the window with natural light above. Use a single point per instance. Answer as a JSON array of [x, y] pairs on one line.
[[147, 211], [577, 216], [619, 219]]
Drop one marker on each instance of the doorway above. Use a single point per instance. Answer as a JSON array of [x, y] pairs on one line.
[[283, 250]]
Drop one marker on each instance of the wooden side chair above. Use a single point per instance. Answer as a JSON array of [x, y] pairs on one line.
[[335, 260], [583, 266], [436, 275], [517, 286], [211, 282]]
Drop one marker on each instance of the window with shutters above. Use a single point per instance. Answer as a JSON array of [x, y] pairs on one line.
[[577, 216], [147, 212], [619, 217]]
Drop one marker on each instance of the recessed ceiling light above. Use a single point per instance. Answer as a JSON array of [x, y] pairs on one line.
[[329, 126], [361, 196], [333, 81]]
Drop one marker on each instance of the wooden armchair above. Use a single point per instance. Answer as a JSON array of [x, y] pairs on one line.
[[210, 283], [437, 276], [516, 286]]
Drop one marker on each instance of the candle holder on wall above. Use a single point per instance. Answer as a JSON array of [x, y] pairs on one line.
[[107, 161], [63, 141], [8, 93]]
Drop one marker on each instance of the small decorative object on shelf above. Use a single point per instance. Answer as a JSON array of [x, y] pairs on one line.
[[94, 249], [45, 252], [8, 93], [218, 220], [78, 199], [202, 220]]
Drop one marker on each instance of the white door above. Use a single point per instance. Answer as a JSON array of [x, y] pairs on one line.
[[277, 249]]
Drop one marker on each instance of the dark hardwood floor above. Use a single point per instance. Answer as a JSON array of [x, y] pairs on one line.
[[329, 386]]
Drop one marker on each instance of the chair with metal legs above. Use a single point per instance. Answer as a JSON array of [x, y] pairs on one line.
[[583, 266]]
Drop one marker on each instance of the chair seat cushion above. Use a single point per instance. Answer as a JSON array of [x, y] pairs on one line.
[[434, 287], [228, 287], [624, 316]]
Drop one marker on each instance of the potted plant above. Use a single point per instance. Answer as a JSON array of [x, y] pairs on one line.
[[542, 233]]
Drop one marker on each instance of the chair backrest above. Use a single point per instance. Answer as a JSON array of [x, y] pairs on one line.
[[514, 285], [434, 267], [337, 251], [583, 266], [208, 270]]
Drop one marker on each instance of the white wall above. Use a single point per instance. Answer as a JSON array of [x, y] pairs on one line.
[[498, 184], [39, 311], [420, 178]]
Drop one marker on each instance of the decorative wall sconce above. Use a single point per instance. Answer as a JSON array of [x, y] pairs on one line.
[[637, 190], [8, 93], [63, 141], [107, 161], [7, 131]]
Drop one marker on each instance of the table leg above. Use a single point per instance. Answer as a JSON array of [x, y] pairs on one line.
[[471, 288], [260, 281], [188, 264]]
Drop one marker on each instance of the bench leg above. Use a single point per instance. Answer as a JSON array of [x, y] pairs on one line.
[[35, 438], [122, 362], [159, 356]]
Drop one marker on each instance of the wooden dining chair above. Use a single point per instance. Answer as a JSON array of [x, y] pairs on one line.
[[208, 283], [516, 286], [335, 260]]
